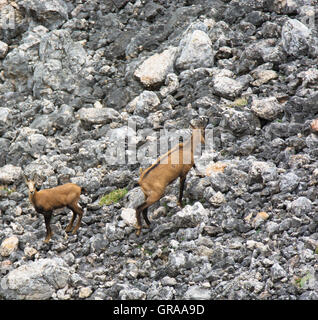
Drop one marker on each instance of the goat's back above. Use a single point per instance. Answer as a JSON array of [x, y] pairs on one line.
[[58, 197]]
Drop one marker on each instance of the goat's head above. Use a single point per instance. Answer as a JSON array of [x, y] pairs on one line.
[[198, 126], [32, 185]]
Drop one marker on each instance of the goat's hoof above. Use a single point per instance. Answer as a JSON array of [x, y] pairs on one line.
[[138, 232], [180, 204]]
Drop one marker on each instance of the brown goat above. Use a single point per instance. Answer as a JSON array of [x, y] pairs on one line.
[[176, 163], [47, 200]]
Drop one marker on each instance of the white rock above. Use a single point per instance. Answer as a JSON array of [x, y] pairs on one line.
[[98, 115], [9, 245], [4, 116], [3, 49], [217, 199], [155, 69], [10, 173], [227, 87], [197, 293], [85, 292], [266, 108], [129, 216]]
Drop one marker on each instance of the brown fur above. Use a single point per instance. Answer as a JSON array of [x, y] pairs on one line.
[[47, 200], [154, 180]]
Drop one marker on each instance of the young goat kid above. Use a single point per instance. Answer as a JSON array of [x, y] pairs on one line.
[[176, 163], [47, 200]]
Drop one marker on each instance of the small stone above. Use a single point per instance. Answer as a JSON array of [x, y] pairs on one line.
[[263, 76], [168, 281], [314, 125], [260, 218], [9, 245], [3, 49], [129, 216], [98, 115], [277, 272], [272, 227], [197, 293], [227, 87], [215, 167], [30, 252], [217, 199], [85, 292], [266, 108]]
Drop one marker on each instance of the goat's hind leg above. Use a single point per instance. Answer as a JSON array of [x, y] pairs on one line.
[[70, 225], [80, 215], [138, 217], [76, 211], [143, 208]]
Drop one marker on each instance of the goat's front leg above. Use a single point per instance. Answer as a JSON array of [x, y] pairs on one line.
[[182, 182], [47, 219]]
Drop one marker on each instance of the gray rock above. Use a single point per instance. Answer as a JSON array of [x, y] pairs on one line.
[[134, 198], [4, 148], [98, 115], [5, 118], [177, 260], [191, 216], [162, 230], [36, 280], [171, 84], [239, 122], [296, 37], [132, 293], [289, 182], [18, 61], [195, 51], [227, 87], [261, 171], [113, 233], [52, 13], [272, 227], [301, 206], [63, 65], [277, 272], [38, 142], [3, 49], [143, 104]]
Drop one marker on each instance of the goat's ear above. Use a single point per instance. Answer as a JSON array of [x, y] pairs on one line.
[[25, 178]]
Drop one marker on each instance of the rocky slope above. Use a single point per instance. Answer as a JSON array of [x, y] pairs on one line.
[[75, 73]]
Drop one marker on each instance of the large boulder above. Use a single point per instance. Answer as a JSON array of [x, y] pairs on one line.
[[36, 280]]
